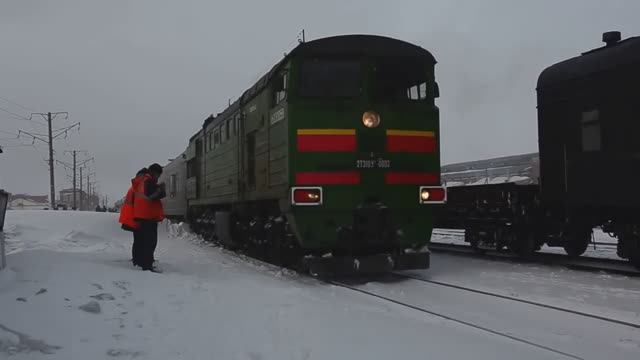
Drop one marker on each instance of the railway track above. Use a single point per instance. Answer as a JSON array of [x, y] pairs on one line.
[[542, 345], [460, 234], [453, 319], [529, 302], [473, 324], [582, 263]]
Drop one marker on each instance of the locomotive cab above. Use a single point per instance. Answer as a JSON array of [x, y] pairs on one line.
[[331, 157], [364, 157]]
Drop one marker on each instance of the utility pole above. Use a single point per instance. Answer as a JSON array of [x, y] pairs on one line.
[[52, 178], [48, 139], [74, 166], [75, 204], [90, 190], [88, 199], [80, 207]]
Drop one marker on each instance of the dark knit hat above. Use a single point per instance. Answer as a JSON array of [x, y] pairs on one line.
[[155, 168]]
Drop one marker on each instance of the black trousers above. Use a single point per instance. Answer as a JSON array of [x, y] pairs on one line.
[[148, 239], [136, 247]]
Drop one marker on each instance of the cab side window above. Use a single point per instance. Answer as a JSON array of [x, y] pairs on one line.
[[216, 137], [280, 88], [173, 184], [417, 92]]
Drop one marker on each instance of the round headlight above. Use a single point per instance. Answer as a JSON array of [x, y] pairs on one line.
[[425, 195], [370, 119]]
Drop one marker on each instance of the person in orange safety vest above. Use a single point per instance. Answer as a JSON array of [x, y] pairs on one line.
[[126, 216], [148, 212]]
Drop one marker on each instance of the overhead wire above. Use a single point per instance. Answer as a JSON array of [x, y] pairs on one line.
[[9, 133], [15, 114], [16, 104]]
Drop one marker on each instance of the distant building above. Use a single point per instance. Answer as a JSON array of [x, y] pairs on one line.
[[90, 203], [28, 202], [83, 200], [66, 198], [519, 169]]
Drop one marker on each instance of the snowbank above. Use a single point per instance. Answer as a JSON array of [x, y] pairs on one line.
[[70, 293]]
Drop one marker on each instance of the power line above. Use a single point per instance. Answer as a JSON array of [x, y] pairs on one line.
[[50, 117], [15, 103], [14, 114], [17, 146], [9, 133]]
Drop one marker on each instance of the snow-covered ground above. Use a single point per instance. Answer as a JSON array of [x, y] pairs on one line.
[[69, 292], [597, 249]]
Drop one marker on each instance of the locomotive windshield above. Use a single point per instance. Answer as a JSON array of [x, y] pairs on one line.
[[400, 80], [330, 78]]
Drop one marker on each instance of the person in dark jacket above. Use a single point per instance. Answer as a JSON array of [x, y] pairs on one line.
[[148, 212]]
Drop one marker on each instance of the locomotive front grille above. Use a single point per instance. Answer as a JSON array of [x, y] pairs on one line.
[[372, 225]]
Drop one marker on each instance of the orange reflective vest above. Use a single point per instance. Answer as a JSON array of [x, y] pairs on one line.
[[143, 207], [126, 212]]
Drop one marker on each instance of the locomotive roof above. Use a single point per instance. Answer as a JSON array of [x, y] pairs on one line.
[[196, 134], [362, 45], [347, 45], [622, 53]]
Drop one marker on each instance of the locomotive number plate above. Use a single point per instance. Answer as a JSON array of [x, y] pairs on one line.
[[373, 164]]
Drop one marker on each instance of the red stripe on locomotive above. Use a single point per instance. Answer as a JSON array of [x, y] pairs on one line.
[[411, 144], [326, 143], [328, 178]]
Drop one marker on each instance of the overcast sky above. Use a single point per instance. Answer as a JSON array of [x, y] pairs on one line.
[[140, 76]]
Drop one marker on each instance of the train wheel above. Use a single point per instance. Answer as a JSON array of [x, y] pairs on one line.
[[576, 240], [523, 243], [632, 238], [472, 237]]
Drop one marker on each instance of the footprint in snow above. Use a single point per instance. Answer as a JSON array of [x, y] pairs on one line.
[[21, 299], [121, 284], [97, 286], [92, 307], [629, 343], [123, 352], [103, 297], [21, 343]]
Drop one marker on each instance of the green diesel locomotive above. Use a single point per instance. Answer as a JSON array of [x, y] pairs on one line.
[[332, 157]]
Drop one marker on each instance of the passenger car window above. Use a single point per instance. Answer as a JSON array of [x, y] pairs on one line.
[[590, 126], [173, 186]]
